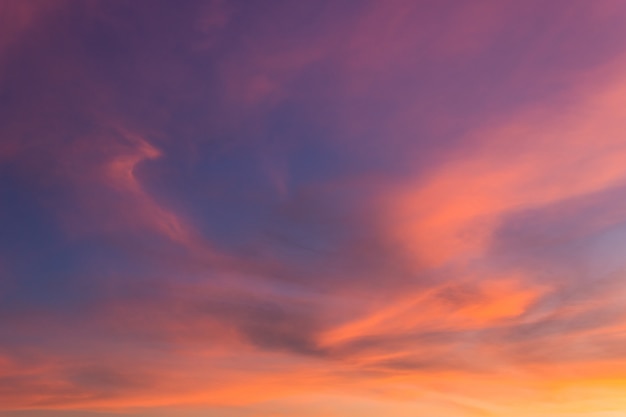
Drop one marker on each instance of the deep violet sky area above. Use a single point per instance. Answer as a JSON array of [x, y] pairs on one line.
[[312, 208]]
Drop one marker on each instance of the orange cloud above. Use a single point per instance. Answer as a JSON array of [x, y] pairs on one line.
[[396, 302], [535, 160]]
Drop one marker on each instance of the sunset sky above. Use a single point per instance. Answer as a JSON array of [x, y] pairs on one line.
[[312, 208]]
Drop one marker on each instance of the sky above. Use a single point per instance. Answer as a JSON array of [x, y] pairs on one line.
[[312, 208]]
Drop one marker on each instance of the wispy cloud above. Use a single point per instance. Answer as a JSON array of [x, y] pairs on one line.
[[312, 208]]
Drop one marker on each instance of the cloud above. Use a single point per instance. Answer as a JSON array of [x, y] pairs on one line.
[[311, 207]]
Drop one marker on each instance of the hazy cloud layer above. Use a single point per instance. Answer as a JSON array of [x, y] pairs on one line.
[[312, 208]]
